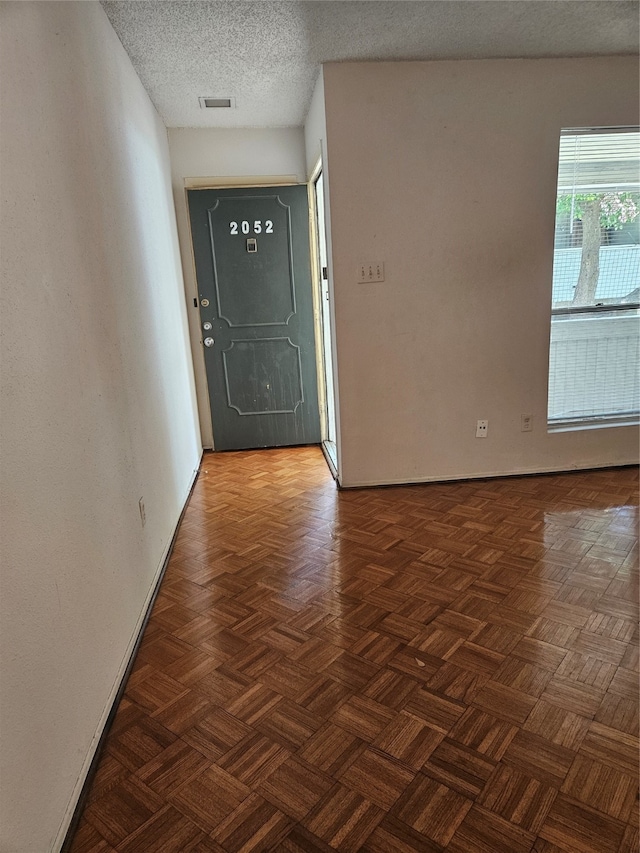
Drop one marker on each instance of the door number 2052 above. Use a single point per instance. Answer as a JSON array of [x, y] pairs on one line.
[[245, 227]]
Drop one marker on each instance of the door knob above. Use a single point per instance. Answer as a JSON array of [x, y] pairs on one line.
[[208, 342]]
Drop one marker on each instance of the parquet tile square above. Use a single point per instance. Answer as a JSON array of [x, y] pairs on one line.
[[352, 670], [171, 768], [214, 735], [156, 691], [436, 709], [432, 809], [323, 695], [395, 836], [222, 687], [460, 768], [508, 617], [289, 724], [184, 712], [143, 740], [210, 797], [504, 702], [535, 651], [475, 606], [611, 747], [344, 819], [167, 831], [518, 798], [163, 651], [631, 659], [253, 759], [374, 647], [448, 667], [438, 642], [409, 739], [331, 749], [398, 626], [538, 757], [620, 713], [483, 733], [586, 669], [523, 676], [123, 810], [573, 696], [604, 788], [253, 704], [567, 614], [295, 787], [484, 831], [528, 601], [460, 624], [390, 689], [254, 826], [496, 637], [554, 633], [288, 678], [378, 777], [574, 826], [363, 717], [557, 725], [624, 683], [254, 660], [457, 682]]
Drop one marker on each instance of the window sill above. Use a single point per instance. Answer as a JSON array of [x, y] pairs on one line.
[[593, 423]]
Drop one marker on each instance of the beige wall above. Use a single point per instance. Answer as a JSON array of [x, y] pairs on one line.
[[98, 401], [315, 127], [446, 172], [212, 158]]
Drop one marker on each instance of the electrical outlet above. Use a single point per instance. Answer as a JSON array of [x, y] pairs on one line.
[[143, 514], [371, 271], [482, 428], [526, 423]]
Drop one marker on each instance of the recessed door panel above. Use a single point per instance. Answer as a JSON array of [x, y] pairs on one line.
[[251, 249], [263, 377]]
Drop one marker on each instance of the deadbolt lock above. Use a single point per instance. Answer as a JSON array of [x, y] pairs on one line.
[[207, 326], [208, 342]]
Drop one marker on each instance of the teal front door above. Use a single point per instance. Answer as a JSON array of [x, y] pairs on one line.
[[251, 250]]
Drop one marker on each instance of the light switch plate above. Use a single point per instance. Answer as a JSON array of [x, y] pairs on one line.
[[370, 271]]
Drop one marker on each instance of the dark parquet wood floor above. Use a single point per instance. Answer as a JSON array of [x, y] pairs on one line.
[[424, 668]]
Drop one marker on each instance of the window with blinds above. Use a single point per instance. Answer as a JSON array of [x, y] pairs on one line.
[[594, 354]]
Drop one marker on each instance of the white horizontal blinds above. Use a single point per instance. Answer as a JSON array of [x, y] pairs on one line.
[[599, 160], [594, 355]]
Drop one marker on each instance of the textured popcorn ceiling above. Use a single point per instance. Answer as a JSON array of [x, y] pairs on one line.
[[267, 55]]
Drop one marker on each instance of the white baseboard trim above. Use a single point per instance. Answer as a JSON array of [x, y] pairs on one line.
[[489, 475]]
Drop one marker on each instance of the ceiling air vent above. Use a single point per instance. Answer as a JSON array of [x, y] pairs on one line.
[[217, 103]]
